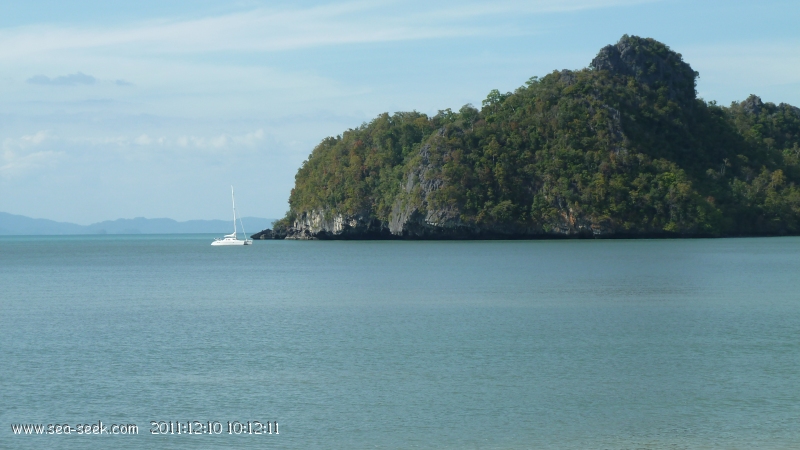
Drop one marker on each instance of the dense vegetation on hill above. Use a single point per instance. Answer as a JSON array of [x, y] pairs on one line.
[[622, 148]]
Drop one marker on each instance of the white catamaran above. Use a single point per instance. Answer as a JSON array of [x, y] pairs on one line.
[[230, 239]]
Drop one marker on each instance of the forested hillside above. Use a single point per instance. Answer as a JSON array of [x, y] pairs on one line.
[[621, 148]]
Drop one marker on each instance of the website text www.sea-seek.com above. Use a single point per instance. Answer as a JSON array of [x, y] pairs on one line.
[[81, 428]]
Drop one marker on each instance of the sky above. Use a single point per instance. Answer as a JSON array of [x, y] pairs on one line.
[[118, 109]]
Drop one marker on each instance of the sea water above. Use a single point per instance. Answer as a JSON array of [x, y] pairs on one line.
[[613, 344]]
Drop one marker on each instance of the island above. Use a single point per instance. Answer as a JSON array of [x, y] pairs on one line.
[[621, 149]]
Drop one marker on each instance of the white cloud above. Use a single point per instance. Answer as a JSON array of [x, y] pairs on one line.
[[22, 155], [219, 142], [250, 139], [26, 141], [28, 154], [216, 142], [64, 80], [290, 28], [15, 166], [35, 139], [143, 140]]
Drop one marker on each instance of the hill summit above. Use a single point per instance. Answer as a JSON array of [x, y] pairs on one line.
[[623, 148]]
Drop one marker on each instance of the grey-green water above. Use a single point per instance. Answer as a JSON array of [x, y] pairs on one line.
[[545, 344]]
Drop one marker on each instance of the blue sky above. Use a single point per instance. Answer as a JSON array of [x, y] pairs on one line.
[[115, 109]]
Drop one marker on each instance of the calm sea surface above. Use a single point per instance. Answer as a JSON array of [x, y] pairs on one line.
[[642, 344]]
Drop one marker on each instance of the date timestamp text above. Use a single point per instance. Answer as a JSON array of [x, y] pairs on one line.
[[213, 427]]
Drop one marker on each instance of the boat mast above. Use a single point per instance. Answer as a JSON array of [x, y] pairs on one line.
[[233, 200]]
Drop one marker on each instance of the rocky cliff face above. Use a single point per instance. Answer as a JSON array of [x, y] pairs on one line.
[[655, 68], [417, 215], [325, 224]]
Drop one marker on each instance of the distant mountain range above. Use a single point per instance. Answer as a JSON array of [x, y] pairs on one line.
[[11, 224]]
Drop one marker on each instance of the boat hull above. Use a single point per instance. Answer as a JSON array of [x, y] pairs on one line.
[[231, 242]]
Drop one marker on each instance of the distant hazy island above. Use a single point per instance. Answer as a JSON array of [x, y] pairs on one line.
[[623, 148], [12, 224]]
